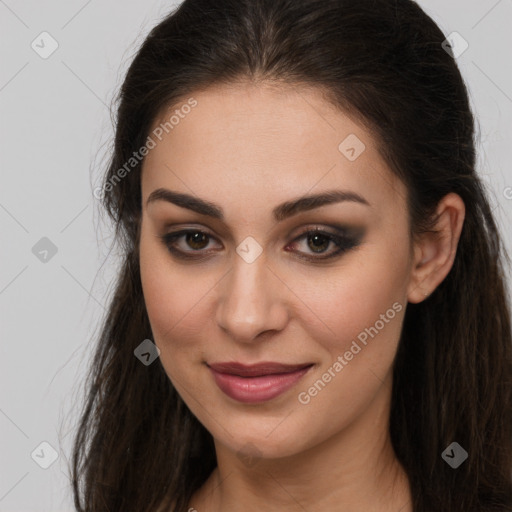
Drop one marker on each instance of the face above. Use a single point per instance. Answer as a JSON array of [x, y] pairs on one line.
[[236, 277]]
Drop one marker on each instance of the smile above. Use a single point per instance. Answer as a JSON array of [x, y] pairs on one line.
[[256, 383]]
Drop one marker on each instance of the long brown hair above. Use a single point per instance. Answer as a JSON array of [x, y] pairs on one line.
[[383, 62]]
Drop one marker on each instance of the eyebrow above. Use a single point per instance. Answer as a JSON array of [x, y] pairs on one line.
[[280, 212]]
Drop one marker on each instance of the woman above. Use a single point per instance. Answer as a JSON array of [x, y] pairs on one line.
[[311, 312]]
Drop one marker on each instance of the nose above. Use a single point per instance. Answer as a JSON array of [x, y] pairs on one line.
[[251, 301]]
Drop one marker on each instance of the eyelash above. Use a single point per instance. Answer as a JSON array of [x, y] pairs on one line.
[[343, 242]]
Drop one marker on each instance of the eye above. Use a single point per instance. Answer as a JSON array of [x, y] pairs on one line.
[[193, 238], [315, 242]]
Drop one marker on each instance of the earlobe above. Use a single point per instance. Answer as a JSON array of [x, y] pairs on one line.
[[434, 252]]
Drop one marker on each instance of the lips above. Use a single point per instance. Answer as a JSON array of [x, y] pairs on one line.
[[256, 370], [258, 382]]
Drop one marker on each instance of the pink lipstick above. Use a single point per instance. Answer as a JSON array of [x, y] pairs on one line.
[[258, 382]]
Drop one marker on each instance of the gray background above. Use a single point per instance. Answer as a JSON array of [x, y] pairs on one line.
[[55, 128]]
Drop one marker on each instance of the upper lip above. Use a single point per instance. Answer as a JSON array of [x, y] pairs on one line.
[[256, 370]]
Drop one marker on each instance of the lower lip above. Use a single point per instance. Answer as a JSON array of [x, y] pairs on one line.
[[257, 389]]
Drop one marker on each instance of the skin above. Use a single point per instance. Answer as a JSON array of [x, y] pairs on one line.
[[248, 148]]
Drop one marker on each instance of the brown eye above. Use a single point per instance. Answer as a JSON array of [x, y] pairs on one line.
[[317, 241], [196, 239], [192, 241]]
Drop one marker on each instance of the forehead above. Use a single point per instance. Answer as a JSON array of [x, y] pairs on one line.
[[259, 145]]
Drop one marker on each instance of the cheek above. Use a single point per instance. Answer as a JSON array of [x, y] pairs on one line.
[[364, 311], [175, 298], [368, 292], [176, 317]]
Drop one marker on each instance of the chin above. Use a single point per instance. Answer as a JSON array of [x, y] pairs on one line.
[[263, 438]]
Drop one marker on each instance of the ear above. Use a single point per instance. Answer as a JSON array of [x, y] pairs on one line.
[[434, 253]]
